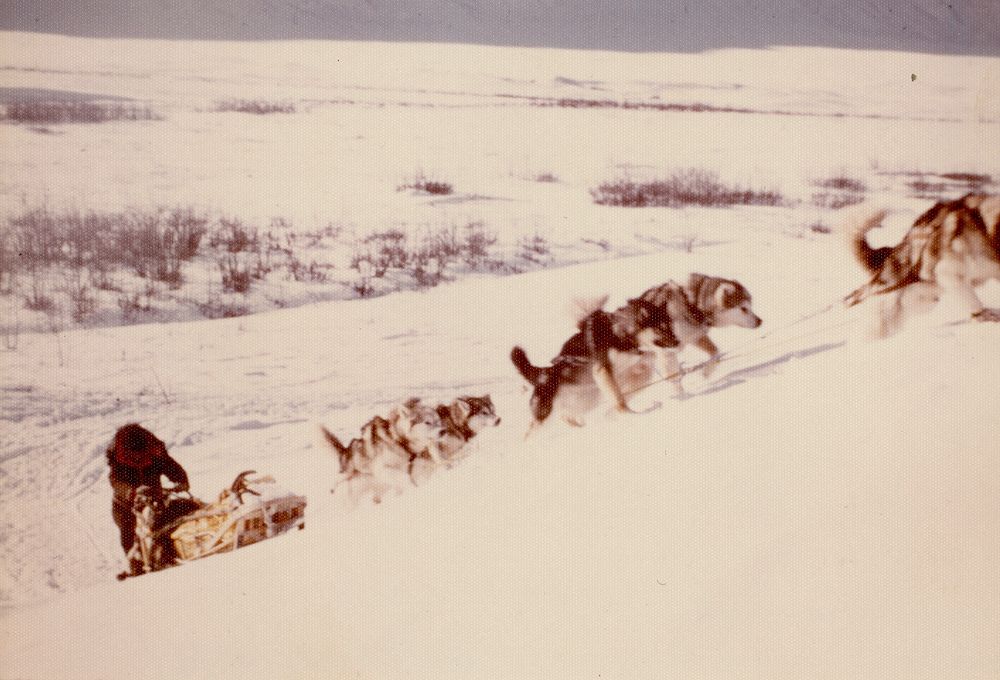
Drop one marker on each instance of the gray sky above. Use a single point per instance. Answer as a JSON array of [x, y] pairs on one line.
[[938, 26]]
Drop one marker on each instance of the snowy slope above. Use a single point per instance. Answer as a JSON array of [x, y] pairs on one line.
[[822, 506]]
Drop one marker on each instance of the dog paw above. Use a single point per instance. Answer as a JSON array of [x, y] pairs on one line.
[[987, 315]]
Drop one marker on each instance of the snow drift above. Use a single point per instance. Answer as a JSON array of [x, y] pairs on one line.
[[821, 507]]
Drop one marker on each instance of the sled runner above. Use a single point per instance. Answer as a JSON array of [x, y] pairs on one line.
[[173, 527]]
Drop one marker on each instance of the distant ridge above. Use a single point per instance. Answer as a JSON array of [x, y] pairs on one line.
[[969, 27]]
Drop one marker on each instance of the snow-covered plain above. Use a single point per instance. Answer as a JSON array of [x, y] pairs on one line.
[[823, 506]]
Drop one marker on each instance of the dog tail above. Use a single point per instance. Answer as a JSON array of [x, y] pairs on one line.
[[343, 452], [531, 373], [332, 440], [856, 231]]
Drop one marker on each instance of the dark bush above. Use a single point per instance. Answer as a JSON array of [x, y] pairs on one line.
[[52, 112], [684, 187], [843, 184], [257, 107]]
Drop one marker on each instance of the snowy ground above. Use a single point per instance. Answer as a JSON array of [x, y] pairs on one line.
[[822, 507]]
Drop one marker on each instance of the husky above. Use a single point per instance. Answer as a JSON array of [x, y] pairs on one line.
[[953, 247], [463, 419], [587, 360], [681, 316], [413, 432], [706, 302]]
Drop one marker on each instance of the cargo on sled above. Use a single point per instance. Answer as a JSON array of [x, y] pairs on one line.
[[173, 527]]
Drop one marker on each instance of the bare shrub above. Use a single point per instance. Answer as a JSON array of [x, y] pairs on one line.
[[685, 187], [236, 277], [385, 250], [363, 286], [316, 238], [234, 236], [477, 244], [38, 301], [427, 256], [53, 112], [315, 272], [133, 305], [8, 259], [183, 232], [216, 308], [842, 191], [77, 289], [431, 258], [973, 179], [425, 185], [534, 248], [157, 244], [842, 183], [35, 236], [924, 187], [835, 201], [254, 106]]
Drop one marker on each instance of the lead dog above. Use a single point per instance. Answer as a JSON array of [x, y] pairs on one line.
[[953, 247], [682, 316]]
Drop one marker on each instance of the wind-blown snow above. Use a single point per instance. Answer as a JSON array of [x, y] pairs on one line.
[[822, 506]]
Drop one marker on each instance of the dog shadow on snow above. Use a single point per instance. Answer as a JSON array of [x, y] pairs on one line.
[[741, 375]]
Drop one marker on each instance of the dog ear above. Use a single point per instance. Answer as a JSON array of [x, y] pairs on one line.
[[463, 408], [726, 295]]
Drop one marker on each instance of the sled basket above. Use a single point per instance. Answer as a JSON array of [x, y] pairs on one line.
[[233, 523]]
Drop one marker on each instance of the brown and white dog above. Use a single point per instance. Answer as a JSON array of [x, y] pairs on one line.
[[413, 431], [704, 303], [616, 353], [953, 247]]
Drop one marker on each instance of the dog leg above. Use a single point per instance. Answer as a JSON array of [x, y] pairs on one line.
[[888, 315], [434, 450], [670, 368], [706, 345], [951, 278], [605, 379], [531, 428], [967, 294]]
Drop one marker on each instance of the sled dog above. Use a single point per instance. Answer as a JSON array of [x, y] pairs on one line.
[[413, 431], [953, 247], [706, 302], [587, 360], [681, 316], [462, 420]]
